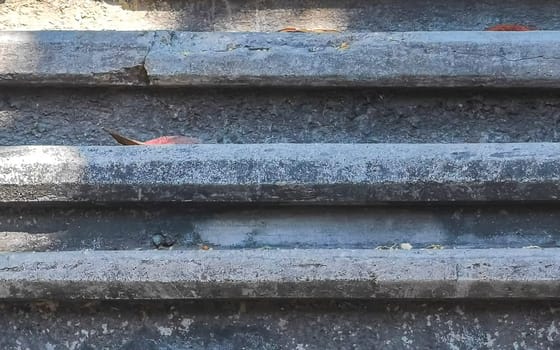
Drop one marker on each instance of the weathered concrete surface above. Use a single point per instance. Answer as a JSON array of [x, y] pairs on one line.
[[282, 173], [74, 58], [54, 228], [413, 59], [291, 273], [177, 325], [47, 116], [272, 15]]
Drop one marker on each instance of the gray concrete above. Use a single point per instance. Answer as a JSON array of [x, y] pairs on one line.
[[271, 15], [355, 15], [293, 273], [414, 59], [239, 227], [46, 116], [282, 173], [35, 116], [74, 58], [305, 324]]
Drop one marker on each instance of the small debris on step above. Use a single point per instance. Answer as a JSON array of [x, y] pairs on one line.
[[161, 240], [435, 246], [304, 30], [509, 28], [401, 246]]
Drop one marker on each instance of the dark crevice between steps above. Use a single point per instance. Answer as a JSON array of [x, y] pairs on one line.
[[148, 227]]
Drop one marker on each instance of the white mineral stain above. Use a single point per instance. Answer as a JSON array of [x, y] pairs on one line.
[[165, 331], [186, 324], [551, 330], [282, 324]]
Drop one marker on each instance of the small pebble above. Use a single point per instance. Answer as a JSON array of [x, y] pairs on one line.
[[160, 240], [406, 246]]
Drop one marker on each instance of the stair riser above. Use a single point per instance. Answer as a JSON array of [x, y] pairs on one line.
[[75, 117], [288, 273], [492, 226], [313, 324]]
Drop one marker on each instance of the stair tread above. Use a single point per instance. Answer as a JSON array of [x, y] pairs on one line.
[[406, 59], [282, 273], [282, 173]]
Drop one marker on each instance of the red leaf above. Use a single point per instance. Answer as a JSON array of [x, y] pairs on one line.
[[171, 140], [509, 28], [163, 140]]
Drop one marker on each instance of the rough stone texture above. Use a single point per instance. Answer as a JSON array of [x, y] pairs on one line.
[[129, 228], [282, 173], [272, 15], [414, 59], [175, 325], [74, 58], [285, 273], [75, 116]]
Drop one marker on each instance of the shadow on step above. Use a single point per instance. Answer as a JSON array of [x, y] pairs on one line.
[[181, 227], [355, 15]]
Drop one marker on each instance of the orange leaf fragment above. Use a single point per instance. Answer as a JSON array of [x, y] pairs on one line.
[[171, 140], [509, 28], [344, 46]]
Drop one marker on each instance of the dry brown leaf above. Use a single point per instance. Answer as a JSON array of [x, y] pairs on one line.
[[304, 30], [435, 246], [163, 140], [344, 46]]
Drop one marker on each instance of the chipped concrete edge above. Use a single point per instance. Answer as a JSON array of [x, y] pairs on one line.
[[169, 58], [282, 173], [313, 273]]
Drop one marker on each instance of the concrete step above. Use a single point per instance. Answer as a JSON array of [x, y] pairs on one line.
[[282, 173], [413, 59], [411, 220], [307, 273]]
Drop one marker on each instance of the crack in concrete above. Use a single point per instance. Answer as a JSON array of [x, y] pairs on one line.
[[530, 58], [504, 57], [145, 75], [154, 57]]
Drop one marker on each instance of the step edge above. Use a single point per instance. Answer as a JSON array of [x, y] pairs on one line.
[[282, 173], [305, 273], [181, 59]]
